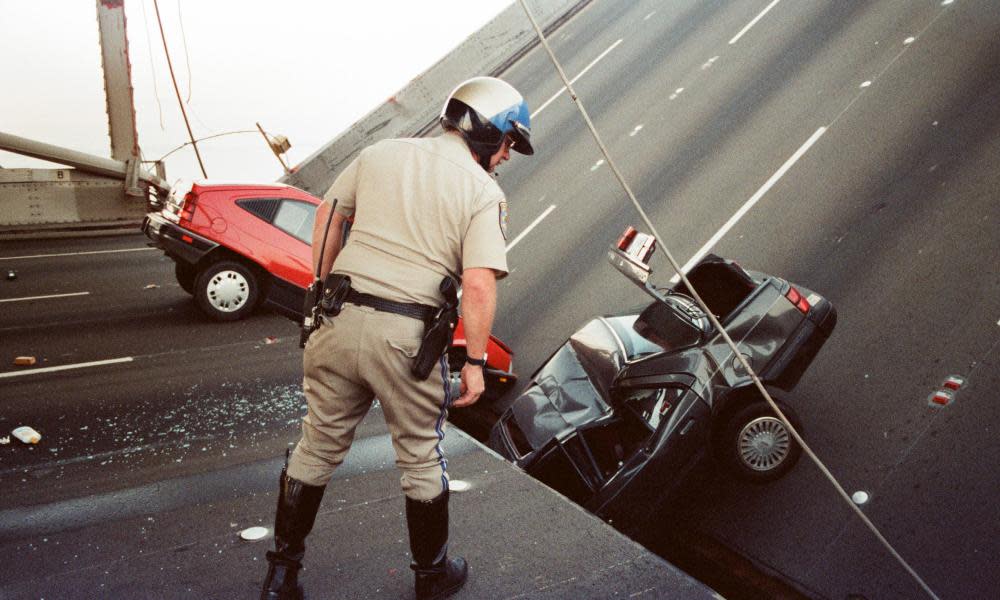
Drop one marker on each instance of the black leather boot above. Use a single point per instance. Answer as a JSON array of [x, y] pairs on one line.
[[297, 506], [437, 576]]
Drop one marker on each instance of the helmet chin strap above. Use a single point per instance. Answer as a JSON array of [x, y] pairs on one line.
[[484, 162]]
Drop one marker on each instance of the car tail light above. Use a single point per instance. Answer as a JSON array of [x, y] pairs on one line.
[[796, 298], [190, 203], [637, 246], [502, 345]]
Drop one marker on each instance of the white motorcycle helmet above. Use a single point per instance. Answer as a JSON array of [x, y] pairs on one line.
[[485, 110]]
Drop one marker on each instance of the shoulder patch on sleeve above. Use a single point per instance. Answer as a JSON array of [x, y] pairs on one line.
[[503, 218]]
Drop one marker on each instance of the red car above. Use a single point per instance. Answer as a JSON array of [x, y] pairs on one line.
[[237, 246]]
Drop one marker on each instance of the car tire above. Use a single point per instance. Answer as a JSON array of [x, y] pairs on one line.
[[756, 446], [186, 276], [227, 291]]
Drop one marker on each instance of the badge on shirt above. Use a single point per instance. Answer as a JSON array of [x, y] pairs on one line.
[[503, 219]]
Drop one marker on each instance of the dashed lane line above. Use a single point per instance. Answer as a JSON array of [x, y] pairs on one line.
[[76, 253], [579, 75], [751, 202], [84, 365], [737, 37], [528, 229], [44, 297]]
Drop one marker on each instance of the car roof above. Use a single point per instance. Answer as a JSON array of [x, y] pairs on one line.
[[206, 184]]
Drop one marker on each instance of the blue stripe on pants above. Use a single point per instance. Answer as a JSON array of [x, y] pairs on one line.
[[440, 422]]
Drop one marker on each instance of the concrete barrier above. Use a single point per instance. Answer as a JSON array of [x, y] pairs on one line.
[[413, 111]]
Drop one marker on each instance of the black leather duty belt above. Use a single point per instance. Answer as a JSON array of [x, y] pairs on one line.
[[421, 312]]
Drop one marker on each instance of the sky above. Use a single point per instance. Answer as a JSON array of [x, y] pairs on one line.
[[303, 69]]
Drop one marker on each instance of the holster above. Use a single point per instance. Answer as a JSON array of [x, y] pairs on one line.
[[335, 290], [328, 302], [438, 332]]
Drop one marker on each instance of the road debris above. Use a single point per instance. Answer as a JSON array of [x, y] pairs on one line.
[[27, 435], [270, 340], [252, 534], [11, 275], [25, 361], [4, 440], [152, 286]]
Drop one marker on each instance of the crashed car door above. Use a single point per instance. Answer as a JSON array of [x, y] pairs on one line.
[[676, 422]]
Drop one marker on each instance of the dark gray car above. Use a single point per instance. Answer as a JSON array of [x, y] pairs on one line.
[[631, 403]]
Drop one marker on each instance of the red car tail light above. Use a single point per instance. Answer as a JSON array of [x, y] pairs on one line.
[[187, 209], [626, 239], [800, 301]]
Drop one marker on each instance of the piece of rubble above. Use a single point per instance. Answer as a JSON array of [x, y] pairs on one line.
[[27, 435], [4, 440], [252, 534], [11, 275], [25, 361], [152, 286], [270, 340]]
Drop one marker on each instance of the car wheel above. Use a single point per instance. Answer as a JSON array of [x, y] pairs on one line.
[[756, 446], [227, 291], [186, 275]]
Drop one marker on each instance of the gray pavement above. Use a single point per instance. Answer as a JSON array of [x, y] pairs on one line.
[[178, 538]]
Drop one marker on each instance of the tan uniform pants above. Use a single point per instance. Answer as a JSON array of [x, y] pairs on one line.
[[359, 355]]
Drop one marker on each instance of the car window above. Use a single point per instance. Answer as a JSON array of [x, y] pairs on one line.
[[653, 405], [673, 324], [296, 218]]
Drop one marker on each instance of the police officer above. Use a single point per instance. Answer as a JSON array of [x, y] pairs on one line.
[[424, 209]]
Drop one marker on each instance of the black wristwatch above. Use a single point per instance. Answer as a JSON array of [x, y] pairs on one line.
[[479, 362]]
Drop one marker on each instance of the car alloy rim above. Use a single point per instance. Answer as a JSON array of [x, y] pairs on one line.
[[228, 291], [764, 443]]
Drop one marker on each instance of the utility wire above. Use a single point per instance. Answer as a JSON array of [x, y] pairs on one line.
[[201, 139], [187, 57], [152, 65], [715, 322], [177, 90]]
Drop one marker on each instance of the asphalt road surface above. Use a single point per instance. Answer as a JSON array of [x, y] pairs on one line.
[[849, 146]]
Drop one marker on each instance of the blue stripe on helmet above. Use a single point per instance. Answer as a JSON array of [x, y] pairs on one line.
[[514, 113]]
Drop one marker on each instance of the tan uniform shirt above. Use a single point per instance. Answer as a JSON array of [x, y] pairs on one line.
[[423, 209]]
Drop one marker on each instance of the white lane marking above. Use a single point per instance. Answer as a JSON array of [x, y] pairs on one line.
[[96, 363], [909, 40], [646, 18], [637, 129], [76, 253], [530, 227], [752, 23], [44, 297], [597, 165], [579, 75], [676, 93], [865, 84], [709, 63], [751, 202], [520, 237], [947, 2]]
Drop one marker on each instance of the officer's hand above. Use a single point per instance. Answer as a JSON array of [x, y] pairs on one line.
[[472, 387]]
